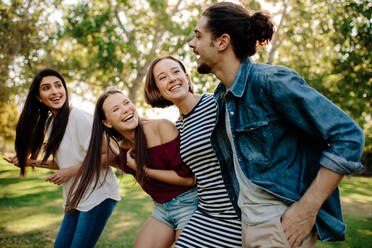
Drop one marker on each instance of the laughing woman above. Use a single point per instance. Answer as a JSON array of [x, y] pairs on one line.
[[68, 129], [215, 222], [149, 150]]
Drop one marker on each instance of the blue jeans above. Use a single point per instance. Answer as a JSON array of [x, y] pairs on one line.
[[82, 229]]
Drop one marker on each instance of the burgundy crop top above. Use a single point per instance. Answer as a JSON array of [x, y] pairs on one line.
[[165, 157]]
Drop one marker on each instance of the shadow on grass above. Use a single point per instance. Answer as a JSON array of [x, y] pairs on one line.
[[38, 192], [8, 181], [28, 239], [3, 172], [358, 234], [31, 213], [128, 217], [356, 186]]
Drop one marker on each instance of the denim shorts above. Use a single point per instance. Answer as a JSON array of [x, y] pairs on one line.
[[177, 211]]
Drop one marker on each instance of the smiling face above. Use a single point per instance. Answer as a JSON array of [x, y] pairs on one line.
[[171, 80], [52, 93], [203, 46], [120, 113]]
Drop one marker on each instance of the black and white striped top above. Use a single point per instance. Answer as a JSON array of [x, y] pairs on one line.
[[196, 151]]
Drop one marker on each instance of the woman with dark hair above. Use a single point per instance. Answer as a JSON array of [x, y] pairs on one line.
[[215, 222], [47, 110], [149, 150]]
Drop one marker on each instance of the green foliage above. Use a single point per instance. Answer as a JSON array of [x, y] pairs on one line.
[[352, 67], [8, 121], [329, 44], [24, 32], [251, 4], [111, 43]]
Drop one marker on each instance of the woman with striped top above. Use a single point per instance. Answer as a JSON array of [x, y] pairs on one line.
[[215, 223]]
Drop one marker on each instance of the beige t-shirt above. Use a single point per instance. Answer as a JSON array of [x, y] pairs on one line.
[[257, 205], [72, 150]]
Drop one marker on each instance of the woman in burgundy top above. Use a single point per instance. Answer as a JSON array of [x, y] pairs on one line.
[[150, 151], [165, 156]]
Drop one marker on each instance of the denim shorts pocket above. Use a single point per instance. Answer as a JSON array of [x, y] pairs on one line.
[[188, 197]]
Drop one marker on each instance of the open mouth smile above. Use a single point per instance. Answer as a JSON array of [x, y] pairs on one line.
[[55, 99], [129, 117], [175, 87]]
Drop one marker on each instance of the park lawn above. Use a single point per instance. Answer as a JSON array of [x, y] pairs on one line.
[[31, 212], [356, 201]]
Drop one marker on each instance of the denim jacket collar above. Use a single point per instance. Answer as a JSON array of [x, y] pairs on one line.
[[239, 85], [240, 82]]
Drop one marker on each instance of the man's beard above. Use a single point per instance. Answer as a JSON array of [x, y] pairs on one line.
[[204, 68]]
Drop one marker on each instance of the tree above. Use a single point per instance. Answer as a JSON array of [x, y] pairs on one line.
[[104, 44], [351, 74], [24, 32], [111, 43], [8, 121], [329, 44]]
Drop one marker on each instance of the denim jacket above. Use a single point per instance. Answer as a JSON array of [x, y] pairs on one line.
[[283, 131]]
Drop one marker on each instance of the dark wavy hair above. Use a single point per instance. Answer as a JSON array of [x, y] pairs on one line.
[[32, 124], [151, 91], [246, 29], [91, 168]]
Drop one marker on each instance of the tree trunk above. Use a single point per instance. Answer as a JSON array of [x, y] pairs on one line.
[[276, 43]]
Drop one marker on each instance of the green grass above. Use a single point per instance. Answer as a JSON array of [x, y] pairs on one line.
[[31, 212], [356, 198]]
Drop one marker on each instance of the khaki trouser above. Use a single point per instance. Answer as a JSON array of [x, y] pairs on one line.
[[271, 235]]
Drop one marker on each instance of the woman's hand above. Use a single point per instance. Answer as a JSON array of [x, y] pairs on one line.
[[13, 160], [130, 160], [62, 175]]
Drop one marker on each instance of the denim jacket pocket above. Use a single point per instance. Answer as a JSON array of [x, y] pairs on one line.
[[253, 141]]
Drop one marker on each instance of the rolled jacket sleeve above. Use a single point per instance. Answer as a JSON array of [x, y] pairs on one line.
[[307, 109]]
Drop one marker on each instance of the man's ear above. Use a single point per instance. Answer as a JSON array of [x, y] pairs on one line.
[[223, 42], [106, 123]]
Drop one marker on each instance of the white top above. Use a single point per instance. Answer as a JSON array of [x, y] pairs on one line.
[[72, 151], [257, 205]]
